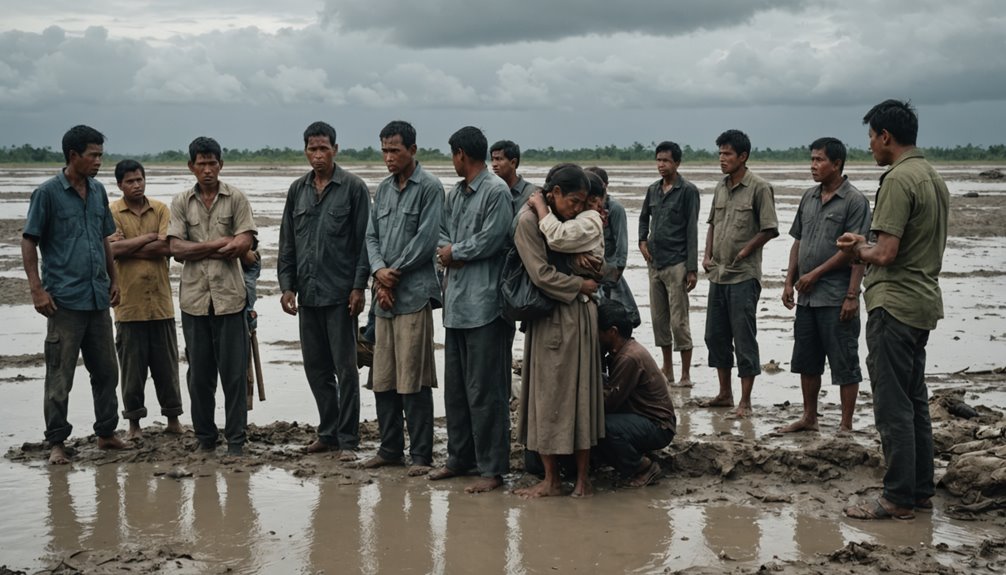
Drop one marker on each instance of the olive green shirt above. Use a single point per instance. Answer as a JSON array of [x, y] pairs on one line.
[[913, 204], [739, 214]]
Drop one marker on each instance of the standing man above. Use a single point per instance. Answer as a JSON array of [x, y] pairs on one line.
[[904, 302], [616, 252], [505, 158], [402, 243], [827, 308], [145, 335], [211, 229], [474, 234], [69, 222], [741, 222], [669, 242], [323, 262]]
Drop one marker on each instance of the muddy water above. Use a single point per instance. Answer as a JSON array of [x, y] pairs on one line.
[[269, 520]]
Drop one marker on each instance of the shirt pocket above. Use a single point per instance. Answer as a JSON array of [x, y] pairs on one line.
[[410, 221], [337, 220], [830, 227], [744, 219], [68, 222], [300, 221]]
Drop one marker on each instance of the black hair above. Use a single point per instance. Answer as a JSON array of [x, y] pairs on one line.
[[126, 166], [737, 140], [599, 172], [611, 314], [569, 177], [471, 141], [204, 146], [77, 138], [833, 148], [511, 150], [897, 117], [673, 148], [320, 129], [596, 189], [402, 129]]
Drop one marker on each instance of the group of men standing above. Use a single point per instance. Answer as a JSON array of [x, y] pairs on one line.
[[424, 249]]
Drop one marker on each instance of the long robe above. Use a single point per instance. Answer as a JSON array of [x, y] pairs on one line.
[[561, 400]]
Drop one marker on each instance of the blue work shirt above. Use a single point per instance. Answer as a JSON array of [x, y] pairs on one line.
[[476, 224], [402, 235], [71, 233]]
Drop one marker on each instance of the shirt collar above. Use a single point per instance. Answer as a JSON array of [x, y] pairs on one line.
[[745, 181], [841, 191], [120, 205], [913, 153], [476, 182]]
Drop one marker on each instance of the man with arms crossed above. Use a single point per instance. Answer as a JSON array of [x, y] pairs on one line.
[[145, 335], [69, 222], [323, 262], [211, 229], [903, 302], [669, 241]]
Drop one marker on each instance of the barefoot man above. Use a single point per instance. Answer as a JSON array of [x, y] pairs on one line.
[[145, 335], [827, 308], [741, 222], [69, 222], [474, 233]]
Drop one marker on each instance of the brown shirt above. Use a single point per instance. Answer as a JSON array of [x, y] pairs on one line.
[[144, 284], [207, 282], [738, 214], [636, 385]]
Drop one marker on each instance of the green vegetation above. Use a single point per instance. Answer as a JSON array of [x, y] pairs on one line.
[[637, 152]]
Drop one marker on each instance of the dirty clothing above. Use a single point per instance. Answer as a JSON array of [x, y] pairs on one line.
[[217, 344], [669, 224], [818, 333], [148, 346], [730, 324], [636, 385], [328, 344], [739, 213], [144, 286], [418, 418], [669, 307]]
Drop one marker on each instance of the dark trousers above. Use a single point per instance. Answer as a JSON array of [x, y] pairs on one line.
[[148, 346], [627, 437], [897, 365], [418, 410], [328, 344], [69, 335], [477, 399], [730, 323], [217, 344]]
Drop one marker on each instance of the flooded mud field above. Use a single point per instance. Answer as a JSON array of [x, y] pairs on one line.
[[736, 497]]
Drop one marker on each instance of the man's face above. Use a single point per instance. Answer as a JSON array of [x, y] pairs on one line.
[[397, 157], [458, 157], [320, 153], [206, 169], [503, 167], [133, 185], [88, 163], [880, 147], [666, 165], [821, 167], [730, 162]]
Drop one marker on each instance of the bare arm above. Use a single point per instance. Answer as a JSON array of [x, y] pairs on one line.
[[125, 248], [791, 273], [113, 275], [806, 282], [707, 260], [881, 253], [154, 250], [759, 240], [187, 251], [43, 302]]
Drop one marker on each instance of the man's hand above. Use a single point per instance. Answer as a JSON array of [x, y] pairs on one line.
[[589, 262], [118, 235], [231, 250], [288, 301], [588, 287], [43, 302], [690, 281], [445, 255], [707, 262], [388, 277], [806, 282], [849, 242], [385, 297], [113, 294], [850, 309], [643, 249], [250, 258], [356, 302], [787, 296], [741, 255]]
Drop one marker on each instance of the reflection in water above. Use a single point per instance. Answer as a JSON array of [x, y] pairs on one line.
[[224, 521], [732, 531]]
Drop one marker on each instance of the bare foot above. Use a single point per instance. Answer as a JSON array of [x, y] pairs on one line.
[[174, 427], [845, 429], [135, 432], [799, 425], [378, 461], [319, 447], [583, 488], [484, 484], [540, 489], [112, 442], [682, 383], [418, 470], [718, 401], [441, 473], [348, 455], [57, 456], [742, 412]]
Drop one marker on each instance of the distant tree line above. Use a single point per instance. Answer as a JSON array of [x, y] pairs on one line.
[[637, 152]]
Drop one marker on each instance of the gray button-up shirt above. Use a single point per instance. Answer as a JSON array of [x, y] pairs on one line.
[[322, 240], [521, 191], [402, 235], [616, 235], [477, 224], [70, 233], [817, 227], [669, 224]]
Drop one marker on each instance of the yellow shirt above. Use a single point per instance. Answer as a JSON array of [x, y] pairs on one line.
[[144, 284]]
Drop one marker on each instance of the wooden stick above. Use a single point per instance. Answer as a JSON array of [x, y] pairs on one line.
[[258, 366], [250, 380]]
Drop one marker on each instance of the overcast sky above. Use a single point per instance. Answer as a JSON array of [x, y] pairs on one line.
[[563, 73]]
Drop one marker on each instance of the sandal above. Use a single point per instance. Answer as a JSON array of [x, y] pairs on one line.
[[875, 511]]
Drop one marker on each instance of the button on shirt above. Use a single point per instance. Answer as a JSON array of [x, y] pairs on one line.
[[669, 224], [322, 239], [71, 233], [144, 283], [817, 226], [210, 282], [739, 213], [476, 223], [402, 234]]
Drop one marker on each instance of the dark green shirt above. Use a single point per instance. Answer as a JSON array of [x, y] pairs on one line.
[[669, 224], [739, 213]]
